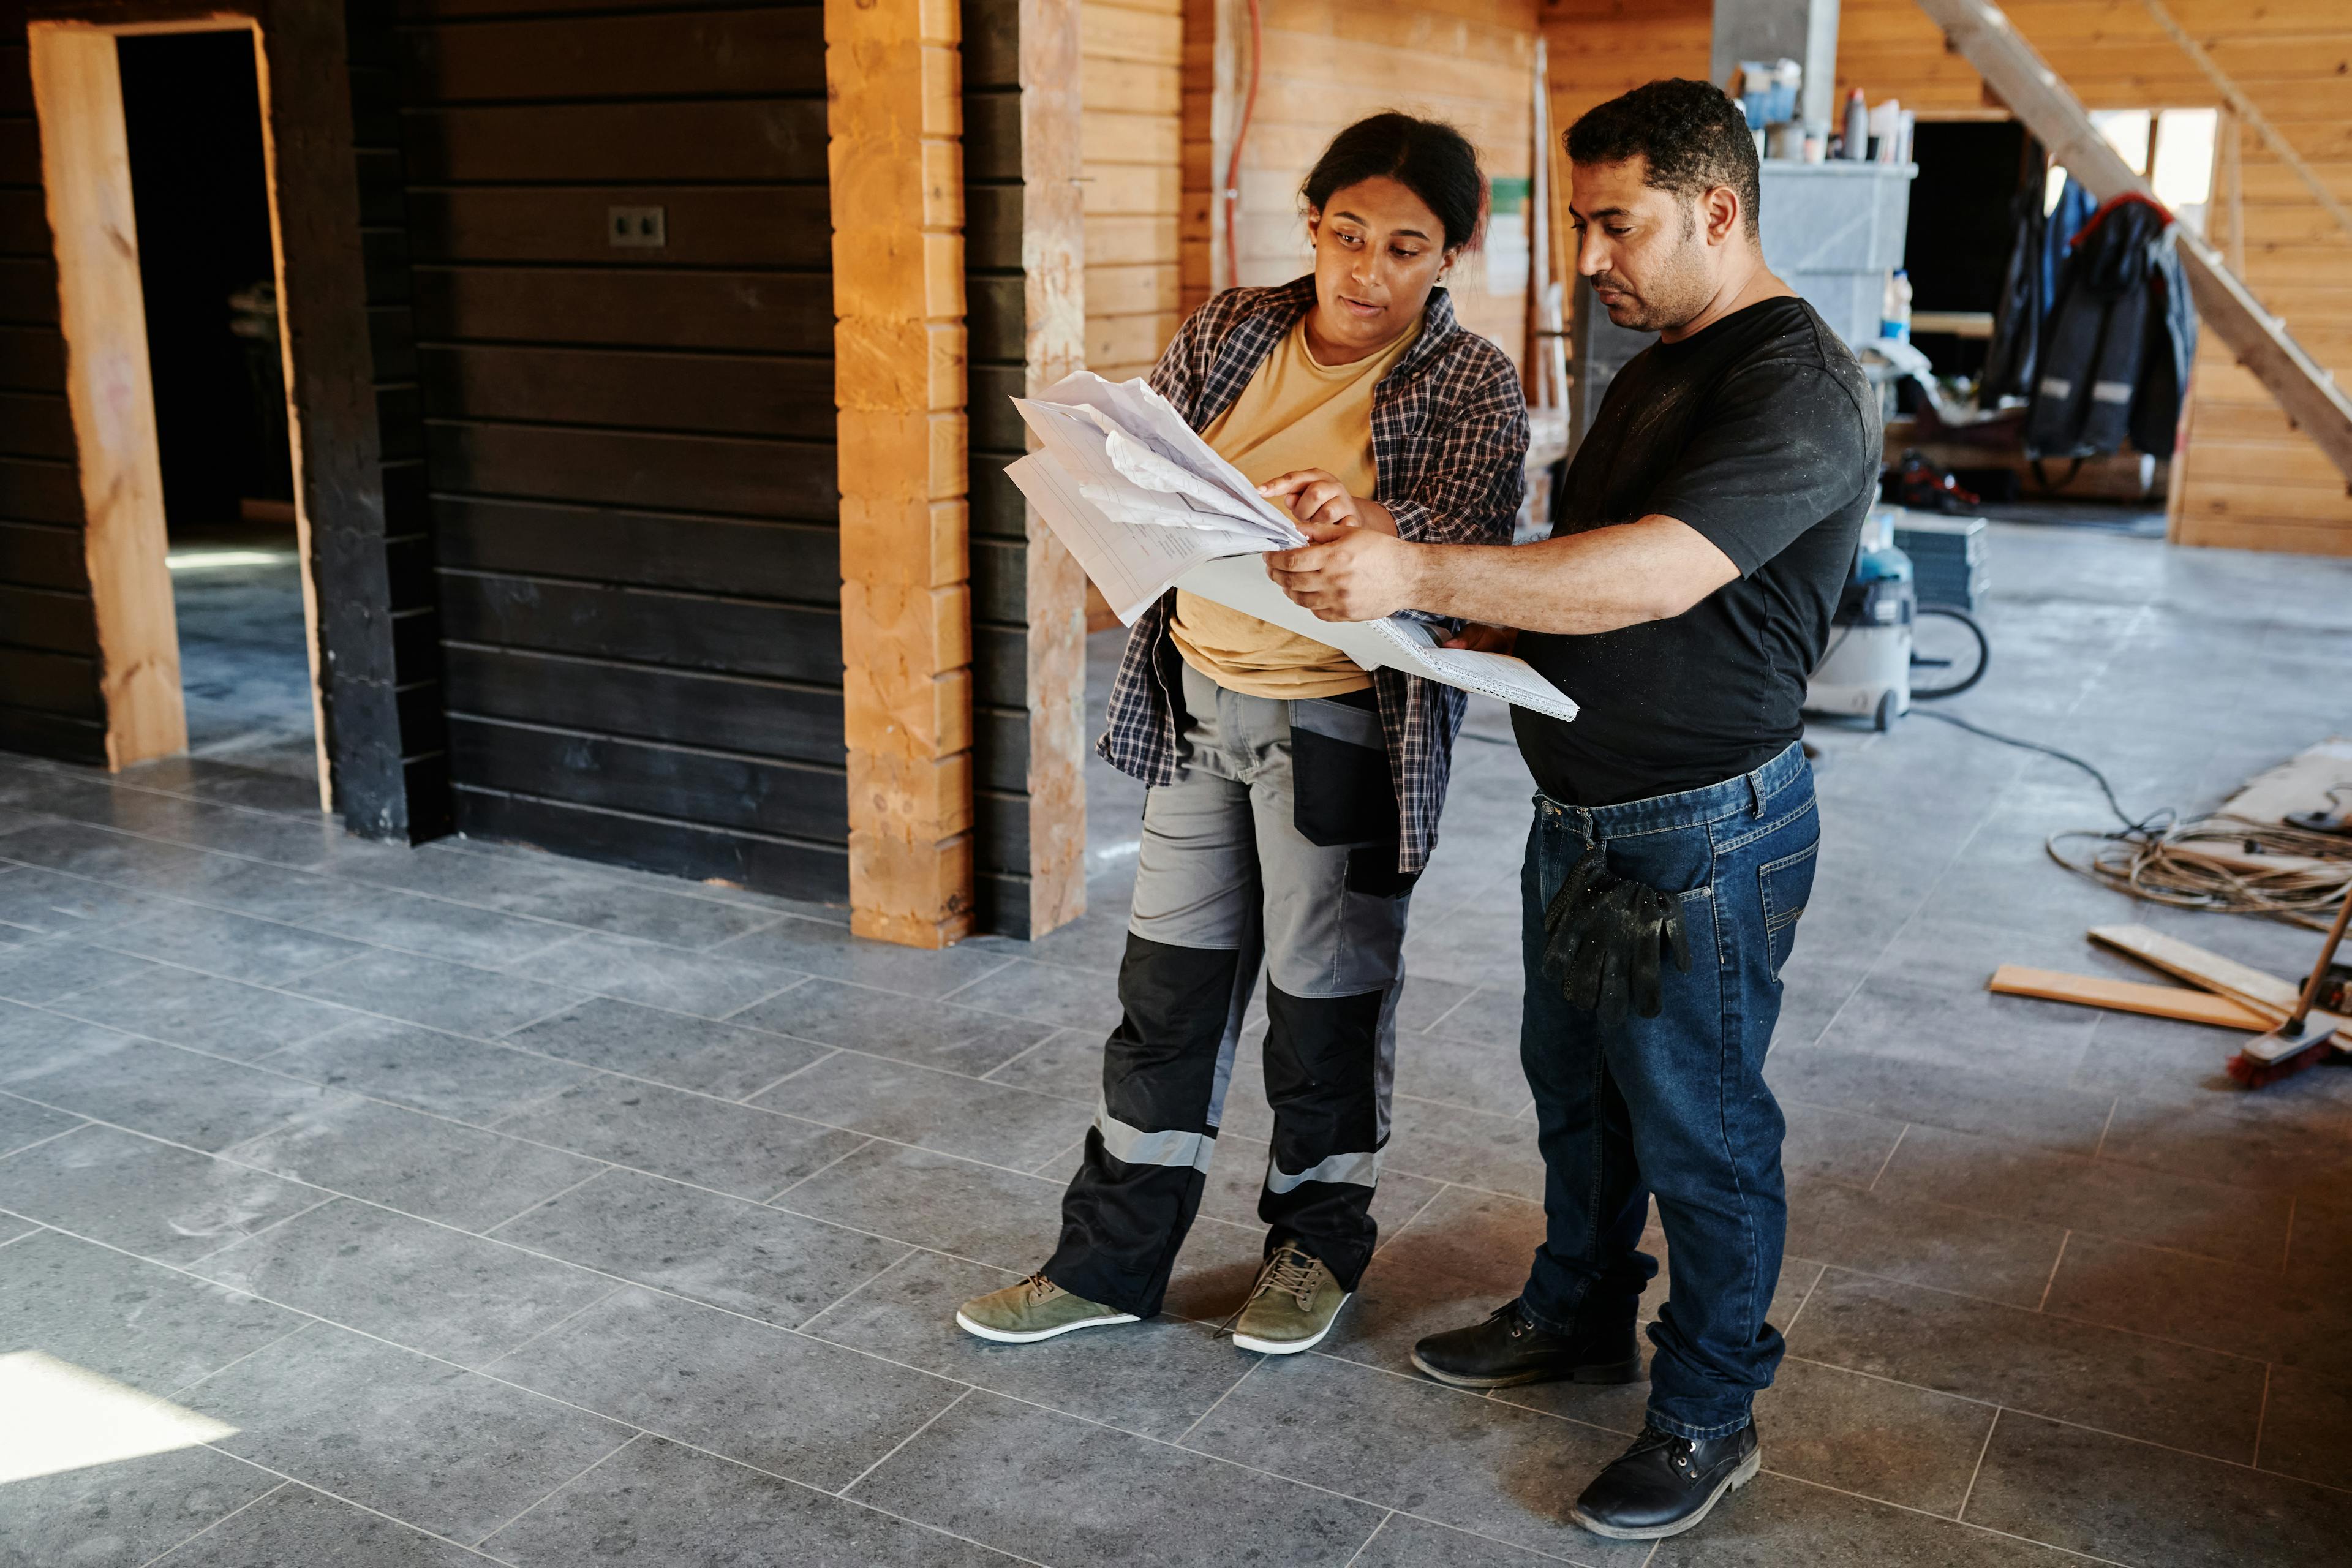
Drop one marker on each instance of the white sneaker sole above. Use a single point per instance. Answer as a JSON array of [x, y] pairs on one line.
[[1005, 1337], [1291, 1347], [1741, 1477]]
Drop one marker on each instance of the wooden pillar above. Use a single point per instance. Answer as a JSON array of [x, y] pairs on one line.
[[894, 123], [86, 170], [1024, 276]]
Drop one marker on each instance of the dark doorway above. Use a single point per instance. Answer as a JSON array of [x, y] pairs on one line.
[[1960, 235], [192, 112]]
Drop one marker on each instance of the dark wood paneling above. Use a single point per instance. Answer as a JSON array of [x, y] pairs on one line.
[[1000, 749], [758, 313], [673, 54], [28, 291], [43, 557], [793, 800], [15, 79], [34, 490], [48, 620], [996, 425], [35, 424], [53, 735], [733, 395], [643, 626], [999, 666], [774, 139], [33, 359], [1000, 582], [20, 153], [697, 473], [996, 317], [767, 718], [392, 340], [998, 508], [59, 683], [766, 559], [706, 225], [818, 871], [991, 227], [24, 221]]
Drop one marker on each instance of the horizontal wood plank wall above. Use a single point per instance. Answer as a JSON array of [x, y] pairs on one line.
[[628, 454], [2247, 478], [1330, 62], [49, 699], [1134, 77], [1599, 48]]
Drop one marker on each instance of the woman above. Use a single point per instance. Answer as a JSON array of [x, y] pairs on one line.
[[1294, 797]]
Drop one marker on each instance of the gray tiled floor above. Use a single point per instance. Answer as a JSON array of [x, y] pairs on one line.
[[520, 1210]]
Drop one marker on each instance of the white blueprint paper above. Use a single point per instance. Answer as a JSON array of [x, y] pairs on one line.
[[1145, 505]]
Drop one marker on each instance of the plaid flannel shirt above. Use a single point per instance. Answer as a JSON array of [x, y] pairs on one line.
[[1449, 444]]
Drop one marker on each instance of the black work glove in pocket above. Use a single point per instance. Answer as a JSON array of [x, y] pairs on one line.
[[1607, 938]]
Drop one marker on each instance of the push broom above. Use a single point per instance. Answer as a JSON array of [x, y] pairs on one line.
[[2305, 1037]]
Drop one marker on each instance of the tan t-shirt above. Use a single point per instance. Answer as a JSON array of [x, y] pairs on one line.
[[1295, 414]]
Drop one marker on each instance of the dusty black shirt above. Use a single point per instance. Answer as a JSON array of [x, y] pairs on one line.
[[1762, 433]]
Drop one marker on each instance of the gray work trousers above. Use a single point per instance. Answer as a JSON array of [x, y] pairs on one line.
[[1274, 847]]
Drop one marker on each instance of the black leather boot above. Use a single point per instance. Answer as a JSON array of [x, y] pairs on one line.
[[1508, 1350], [1663, 1485]]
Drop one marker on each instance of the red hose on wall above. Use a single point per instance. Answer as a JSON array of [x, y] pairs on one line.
[[1233, 163]]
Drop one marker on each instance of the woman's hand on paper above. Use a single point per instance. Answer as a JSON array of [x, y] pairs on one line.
[[1480, 638], [1316, 495], [1345, 573]]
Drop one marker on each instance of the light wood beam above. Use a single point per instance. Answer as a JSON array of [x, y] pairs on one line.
[[892, 78], [1053, 256], [85, 171]]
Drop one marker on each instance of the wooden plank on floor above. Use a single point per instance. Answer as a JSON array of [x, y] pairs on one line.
[[2226, 976], [2128, 997]]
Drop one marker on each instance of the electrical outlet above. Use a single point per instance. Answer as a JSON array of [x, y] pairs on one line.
[[641, 228]]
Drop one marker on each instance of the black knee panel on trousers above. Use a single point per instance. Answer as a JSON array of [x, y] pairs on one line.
[[1123, 1220], [1322, 1078]]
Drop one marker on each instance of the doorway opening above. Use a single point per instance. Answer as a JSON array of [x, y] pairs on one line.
[[158, 164], [200, 190]]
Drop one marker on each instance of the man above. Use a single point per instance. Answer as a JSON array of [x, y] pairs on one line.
[[1709, 522]]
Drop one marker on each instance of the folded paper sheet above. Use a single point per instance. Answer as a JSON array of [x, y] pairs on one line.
[[1146, 506]]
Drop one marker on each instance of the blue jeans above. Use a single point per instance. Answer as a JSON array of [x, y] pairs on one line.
[[1673, 1106]]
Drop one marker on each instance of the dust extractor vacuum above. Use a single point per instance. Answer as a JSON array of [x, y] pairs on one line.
[[1888, 649]]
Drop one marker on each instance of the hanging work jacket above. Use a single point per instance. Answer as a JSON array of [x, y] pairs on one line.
[[2114, 353]]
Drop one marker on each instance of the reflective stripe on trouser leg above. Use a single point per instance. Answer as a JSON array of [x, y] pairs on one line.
[[1323, 1059], [1139, 1184]]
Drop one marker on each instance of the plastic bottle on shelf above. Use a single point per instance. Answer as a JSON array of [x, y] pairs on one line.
[[1895, 313]]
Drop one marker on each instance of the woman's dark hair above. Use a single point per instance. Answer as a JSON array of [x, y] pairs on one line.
[[1427, 157], [1693, 135]]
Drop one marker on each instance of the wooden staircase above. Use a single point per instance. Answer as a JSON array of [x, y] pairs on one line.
[[2016, 72]]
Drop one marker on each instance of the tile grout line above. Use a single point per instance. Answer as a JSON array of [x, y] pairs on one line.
[[965, 1394], [181, 1393], [1194, 1425], [1983, 1448], [245, 1236], [1901, 1134], [776, 1200], [1802, 1302], [2261, 1416], [1010, 961], [2051, 1283], [491, 1232], [1412, 1219], [1027, 1050], [539, 1333], [351, 1502], [873, 1279], [263, 1496], [628, 1442], [52, 1138], [829, 1052], [1367, 1546], [1947, 1518], [2287, 1247], [2113, 1105]]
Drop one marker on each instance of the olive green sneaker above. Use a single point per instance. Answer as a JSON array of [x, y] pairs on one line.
[[1293, 1305], [1036, 1308]]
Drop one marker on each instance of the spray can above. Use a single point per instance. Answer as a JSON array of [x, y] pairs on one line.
[[1857, 127]]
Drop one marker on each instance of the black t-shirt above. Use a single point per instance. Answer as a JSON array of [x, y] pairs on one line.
[[1762, 433]]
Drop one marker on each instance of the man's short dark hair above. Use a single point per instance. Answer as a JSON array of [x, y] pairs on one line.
[[1692, 134]]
